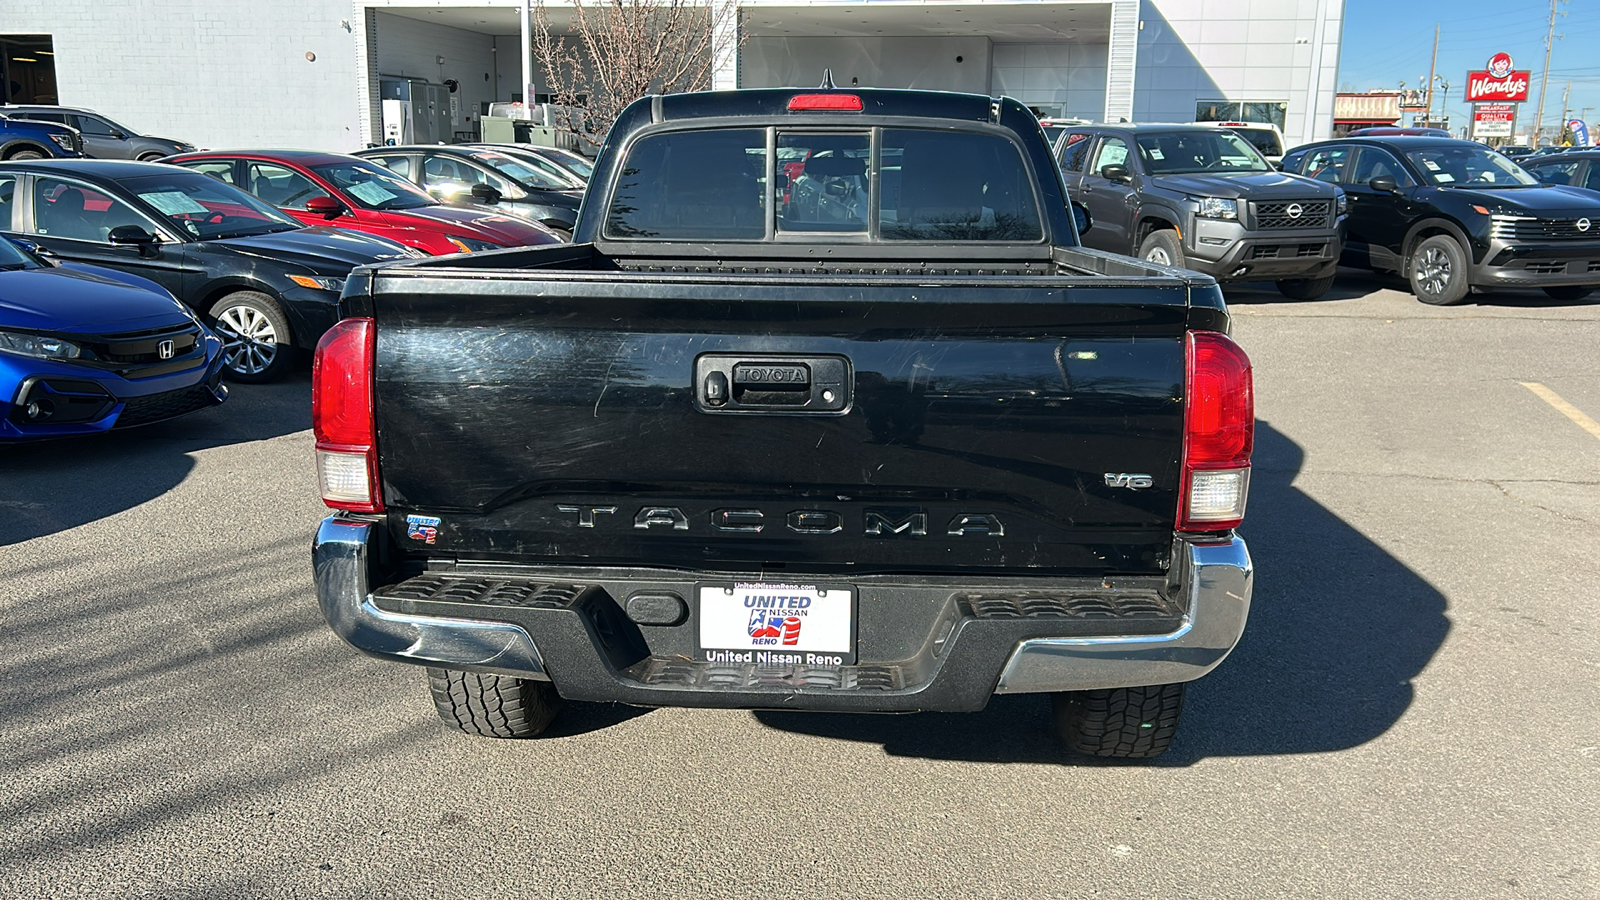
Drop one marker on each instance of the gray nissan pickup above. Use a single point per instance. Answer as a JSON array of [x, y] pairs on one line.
[[825, 408], [1201, 197]]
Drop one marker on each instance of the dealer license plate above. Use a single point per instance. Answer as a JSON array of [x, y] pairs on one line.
[[774, 624]]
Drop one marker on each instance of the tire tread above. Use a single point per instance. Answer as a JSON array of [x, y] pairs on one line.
[[496, 706], [1120, 723]]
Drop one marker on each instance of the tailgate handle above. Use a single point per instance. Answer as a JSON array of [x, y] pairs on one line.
[[734, 383]]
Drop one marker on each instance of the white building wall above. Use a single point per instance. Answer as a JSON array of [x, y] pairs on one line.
[[925, 63], [1244, 50], [1067, 77], [217, 74]]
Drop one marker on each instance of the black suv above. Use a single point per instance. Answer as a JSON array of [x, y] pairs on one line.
[[1454, 215], [1201, 197], [102, 138]]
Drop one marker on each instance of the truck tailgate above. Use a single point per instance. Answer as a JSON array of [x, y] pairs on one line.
[[1008, 424]]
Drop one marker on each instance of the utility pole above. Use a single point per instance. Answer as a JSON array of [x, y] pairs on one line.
[[1544, 77], [1562, 125], [1432, 66]]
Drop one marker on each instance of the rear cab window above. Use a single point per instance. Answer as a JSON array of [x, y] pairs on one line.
[[778, 183]]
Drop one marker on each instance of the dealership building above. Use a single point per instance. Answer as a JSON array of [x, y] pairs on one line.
[[314, 73]]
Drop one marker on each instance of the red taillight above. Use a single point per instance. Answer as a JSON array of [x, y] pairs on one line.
[[1219, 433], [341, 417], [825, 103]]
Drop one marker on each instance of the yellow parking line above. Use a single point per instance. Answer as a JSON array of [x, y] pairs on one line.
[[1563, 407]]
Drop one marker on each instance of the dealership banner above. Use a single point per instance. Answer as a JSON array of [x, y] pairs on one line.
[[1498, 83], [1580, 133], [1493, 120]]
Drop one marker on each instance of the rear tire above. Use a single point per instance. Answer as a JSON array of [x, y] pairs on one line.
[[25, 154], [1568, 292], [256, 344], [1437, 271], [1305, 288], [496, 706], [1162, 248], [1120, 723]]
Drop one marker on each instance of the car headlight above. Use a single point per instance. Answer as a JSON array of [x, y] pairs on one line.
[[1218, 208], [64, 141], [38, 345], [1342, 202], [319, 282], [468, 245]]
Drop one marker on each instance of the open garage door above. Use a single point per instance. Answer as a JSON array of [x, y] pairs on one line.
[[27, 69]]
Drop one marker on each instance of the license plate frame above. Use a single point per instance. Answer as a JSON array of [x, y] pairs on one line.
[[726, 626]]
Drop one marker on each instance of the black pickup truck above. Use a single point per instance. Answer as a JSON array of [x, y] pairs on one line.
[[824, 409]]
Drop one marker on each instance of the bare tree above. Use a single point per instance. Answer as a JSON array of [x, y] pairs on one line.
[[616, 51]]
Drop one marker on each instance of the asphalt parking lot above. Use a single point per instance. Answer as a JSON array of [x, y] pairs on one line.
[[1411, 712]]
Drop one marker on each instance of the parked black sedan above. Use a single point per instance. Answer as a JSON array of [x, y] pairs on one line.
[[1575, 168], [1454, 215], [477, 175], [266, 282]]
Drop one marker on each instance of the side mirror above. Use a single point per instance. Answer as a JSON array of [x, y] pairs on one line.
[[133, 235], [1114, 173], [1080, 215], [1385, 183], [325, 206], [485, 193]]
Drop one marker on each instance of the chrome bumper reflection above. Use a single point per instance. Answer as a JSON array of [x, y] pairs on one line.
[[1218, 580], [340, 558]]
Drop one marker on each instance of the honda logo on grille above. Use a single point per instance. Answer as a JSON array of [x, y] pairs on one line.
[[166, 349], [1295, 210]]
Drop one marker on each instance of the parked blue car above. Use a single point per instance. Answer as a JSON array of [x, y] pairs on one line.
[[85, 350], [22, 139]]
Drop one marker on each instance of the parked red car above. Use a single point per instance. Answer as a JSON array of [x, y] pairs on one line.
[[349, 192]]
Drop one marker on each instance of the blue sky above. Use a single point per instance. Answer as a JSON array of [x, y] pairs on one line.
[[1389, 41]]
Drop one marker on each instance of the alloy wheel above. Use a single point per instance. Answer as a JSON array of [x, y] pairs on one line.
[[1433, 271], [1158, 255], [249, 342]]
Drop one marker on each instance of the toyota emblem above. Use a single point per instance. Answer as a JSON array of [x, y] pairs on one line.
[[165, 350], [1294, 210], [1583, 224]]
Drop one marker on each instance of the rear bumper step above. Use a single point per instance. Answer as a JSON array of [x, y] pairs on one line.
[[924, 643]]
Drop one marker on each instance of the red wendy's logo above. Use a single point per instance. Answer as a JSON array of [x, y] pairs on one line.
[[1500, 65]]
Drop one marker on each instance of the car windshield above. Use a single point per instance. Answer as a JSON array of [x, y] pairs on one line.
[[207, 209], [547, 165], [572, 162], [520, 172], [1468, 164], [1187, 152], [371, 186], [14, 257]]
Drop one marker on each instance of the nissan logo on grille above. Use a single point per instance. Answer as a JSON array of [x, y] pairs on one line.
[[1295, 210], [1583, 224], [165, 350]]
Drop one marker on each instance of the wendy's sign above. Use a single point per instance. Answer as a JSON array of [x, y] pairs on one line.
[[1498, 83]]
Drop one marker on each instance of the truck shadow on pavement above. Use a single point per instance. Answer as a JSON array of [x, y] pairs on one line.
[[51, 486], [1338, 629], [1354, 284]]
